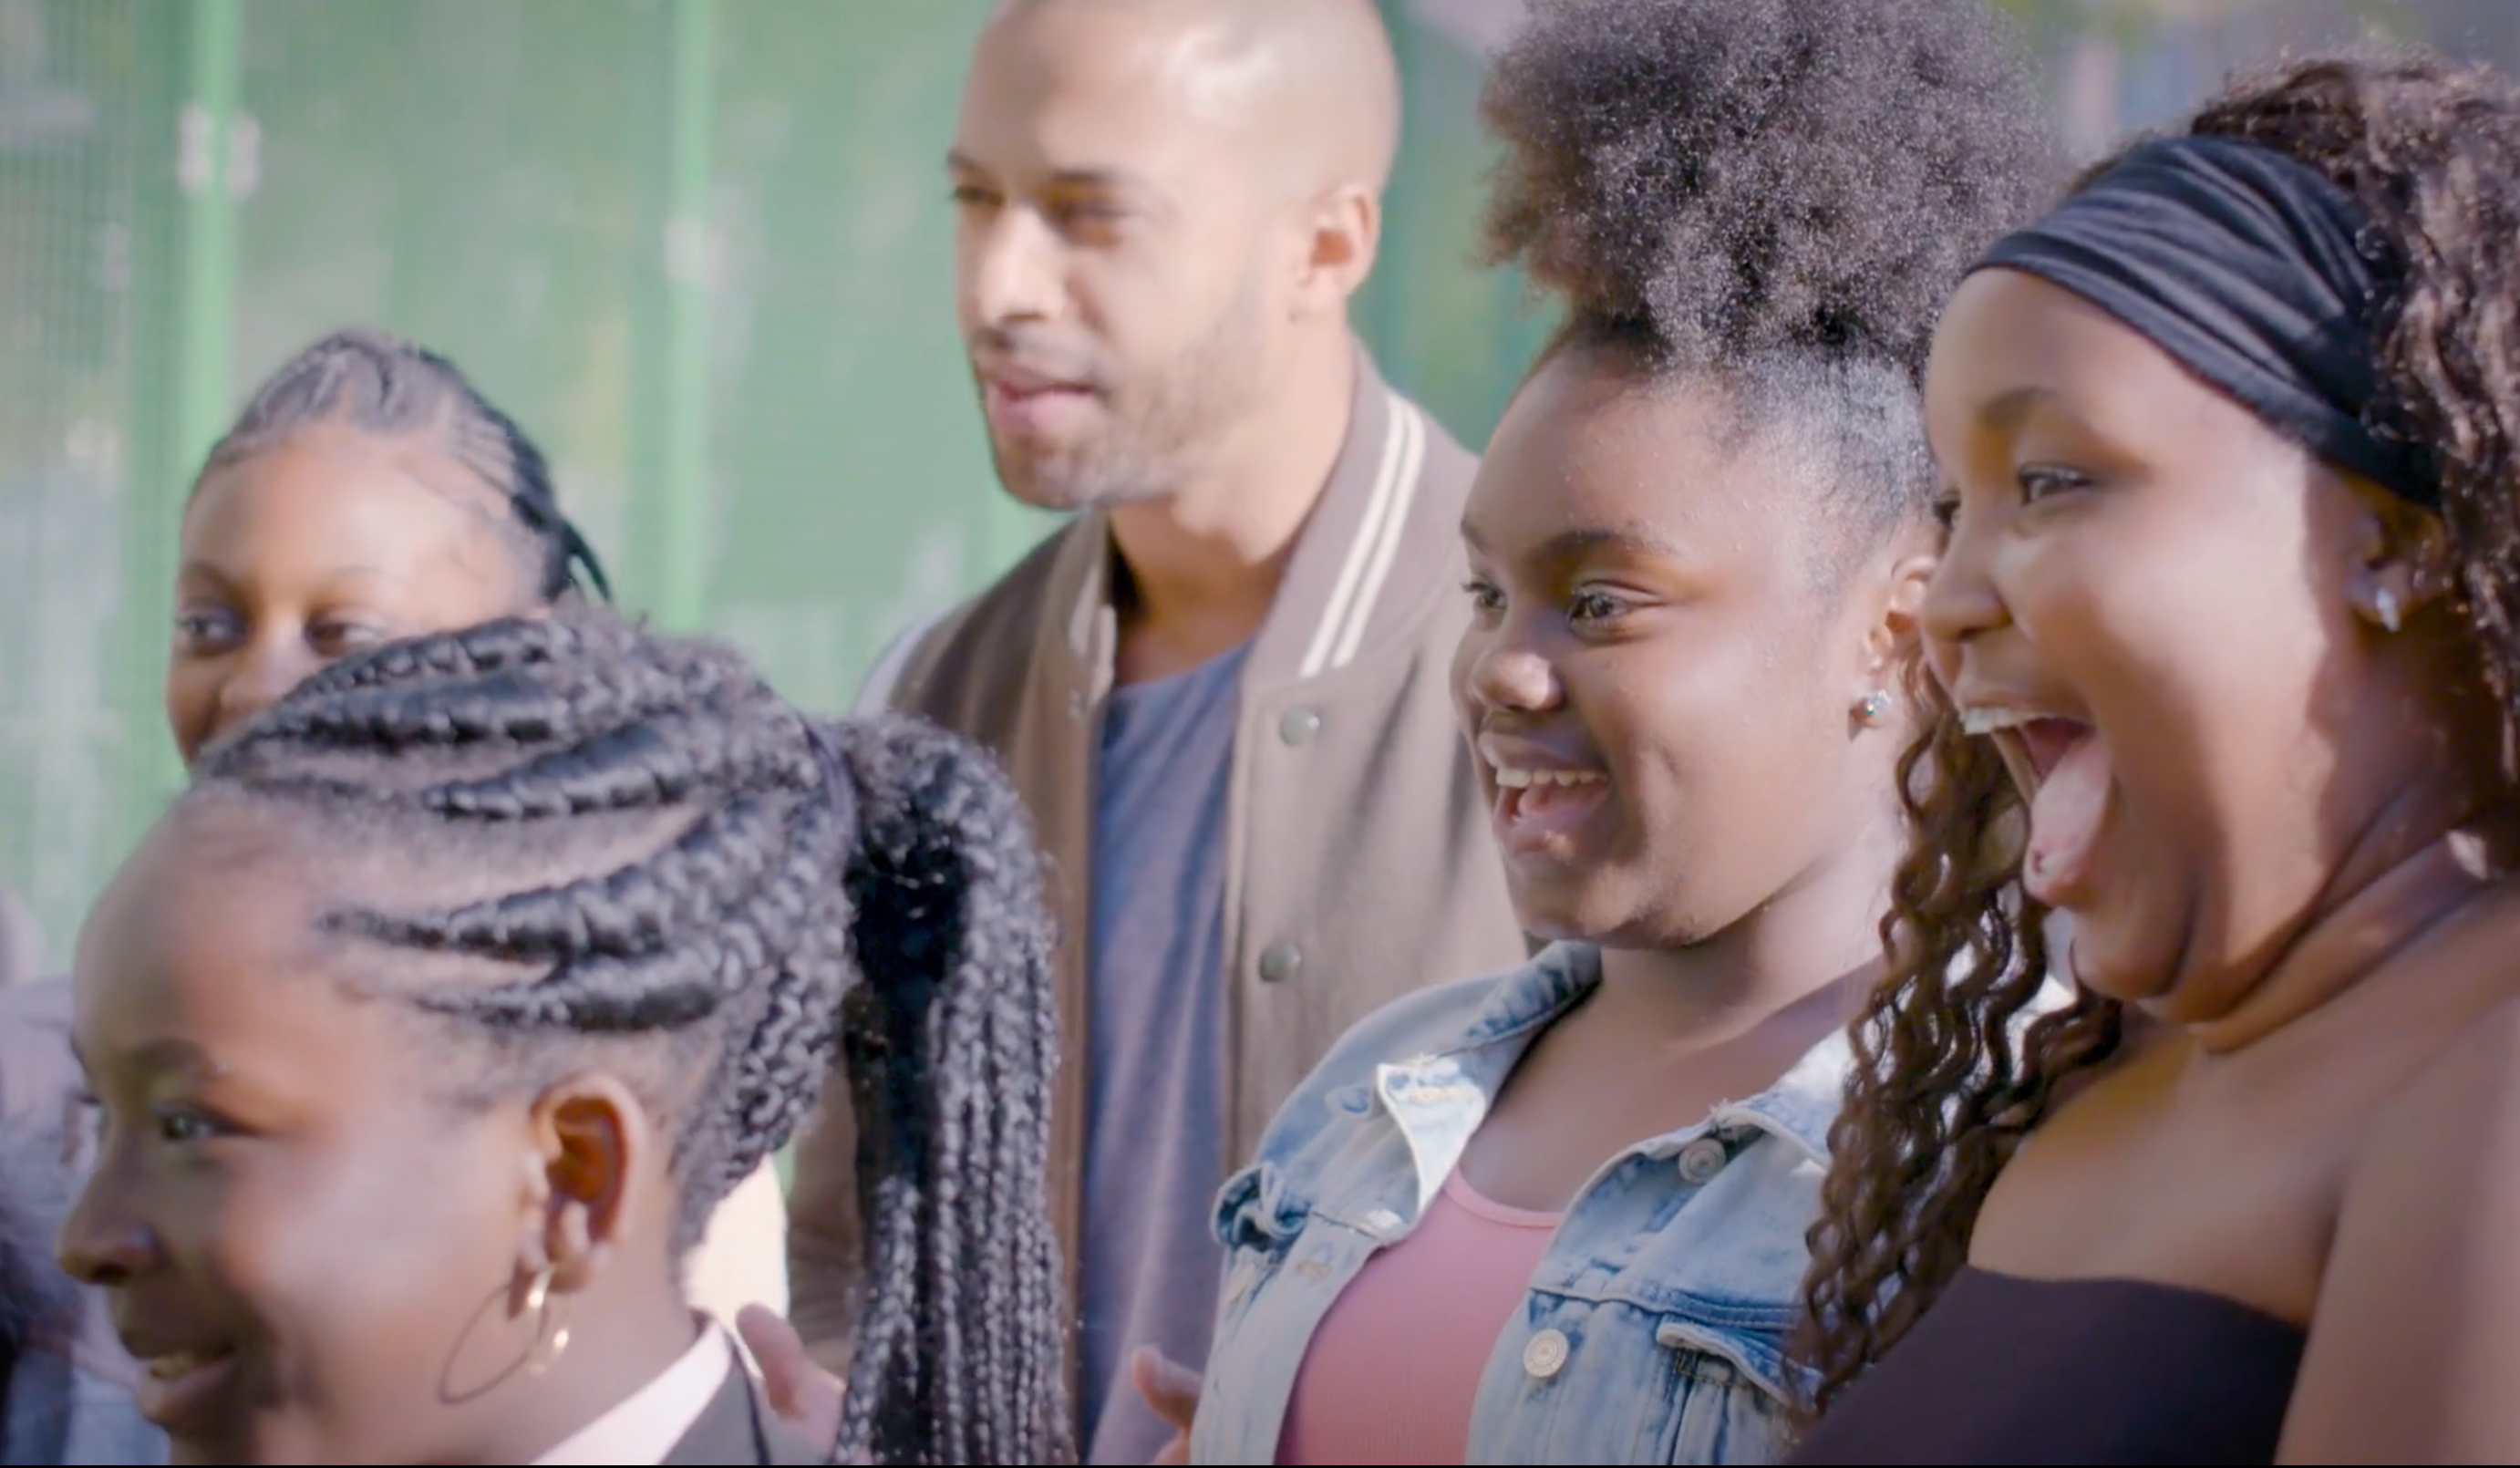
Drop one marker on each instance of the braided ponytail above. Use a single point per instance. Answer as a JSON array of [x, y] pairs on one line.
[[715, 898], [949, 1070]]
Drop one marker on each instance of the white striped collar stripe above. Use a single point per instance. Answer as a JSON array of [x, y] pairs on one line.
[[1361, 551], [1411, 428]]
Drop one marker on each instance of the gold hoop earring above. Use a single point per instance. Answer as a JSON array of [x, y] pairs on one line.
[[550, 1338]]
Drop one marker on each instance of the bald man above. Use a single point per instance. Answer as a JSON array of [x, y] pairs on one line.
[[1222, 686]]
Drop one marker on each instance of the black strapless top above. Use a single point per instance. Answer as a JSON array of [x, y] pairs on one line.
[[2011, 1370]]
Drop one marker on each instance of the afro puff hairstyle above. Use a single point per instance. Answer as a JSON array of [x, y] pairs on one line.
[[1716, 183]]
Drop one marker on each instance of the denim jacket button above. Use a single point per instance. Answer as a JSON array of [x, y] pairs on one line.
[[1381, 1219], [1545, 1354], [1700, 1161]]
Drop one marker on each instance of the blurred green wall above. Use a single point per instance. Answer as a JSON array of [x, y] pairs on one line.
[[700, 248]]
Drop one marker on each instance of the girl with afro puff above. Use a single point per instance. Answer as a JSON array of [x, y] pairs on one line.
[[1557, 1214]]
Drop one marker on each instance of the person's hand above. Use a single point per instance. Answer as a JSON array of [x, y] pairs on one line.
[[1171, 1389], [805, 1396]]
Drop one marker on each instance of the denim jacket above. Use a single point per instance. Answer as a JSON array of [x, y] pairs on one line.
[[1654, 1328]]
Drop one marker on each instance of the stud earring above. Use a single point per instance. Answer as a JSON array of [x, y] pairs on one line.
[[1873, 707], [2385, 603]]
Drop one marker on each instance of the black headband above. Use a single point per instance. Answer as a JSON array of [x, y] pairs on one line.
[[2251, 268]]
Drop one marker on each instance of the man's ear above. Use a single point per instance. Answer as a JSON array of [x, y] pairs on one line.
[[1339, 232]]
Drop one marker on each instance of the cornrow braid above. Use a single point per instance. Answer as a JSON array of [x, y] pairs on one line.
[[382, 385], [693, 876]]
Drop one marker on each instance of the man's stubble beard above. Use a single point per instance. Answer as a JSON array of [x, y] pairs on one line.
[[1153, 442]]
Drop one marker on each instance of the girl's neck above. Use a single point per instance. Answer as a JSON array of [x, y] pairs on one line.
[[2386, 896], [1703, 1006], [1813, 942]]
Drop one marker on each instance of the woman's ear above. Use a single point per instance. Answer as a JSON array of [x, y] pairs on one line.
[[1891, 633], [600, 1153], [2401, 557]]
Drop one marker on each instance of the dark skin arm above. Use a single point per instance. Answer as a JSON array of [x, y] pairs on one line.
[[2416, 1343]]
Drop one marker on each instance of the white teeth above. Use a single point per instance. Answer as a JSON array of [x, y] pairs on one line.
[[1995, 721], [1517, 779]]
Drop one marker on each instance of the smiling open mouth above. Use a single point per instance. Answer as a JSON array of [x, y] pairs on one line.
[[1534, 807], [2066, 764], [179, 1388]]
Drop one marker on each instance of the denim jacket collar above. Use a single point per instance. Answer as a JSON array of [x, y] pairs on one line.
[[1438, 1098]]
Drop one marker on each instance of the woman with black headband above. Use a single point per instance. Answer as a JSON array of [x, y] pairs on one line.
[[2227, 645]]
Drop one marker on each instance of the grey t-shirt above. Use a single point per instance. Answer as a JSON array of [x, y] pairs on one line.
[[1155, 1143]]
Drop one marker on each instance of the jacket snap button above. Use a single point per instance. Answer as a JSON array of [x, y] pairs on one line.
[[1381, 1220], [1281, 962], [1299, 725], [1700, 1161], [1545, 1354]]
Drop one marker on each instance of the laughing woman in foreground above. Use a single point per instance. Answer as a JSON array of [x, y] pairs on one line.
[[433, 1021], [2231, 599]]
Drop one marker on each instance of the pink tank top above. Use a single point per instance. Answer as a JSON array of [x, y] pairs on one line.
[[1395, 1364]]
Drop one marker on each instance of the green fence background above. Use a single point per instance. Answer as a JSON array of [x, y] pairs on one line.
[[700, 248]]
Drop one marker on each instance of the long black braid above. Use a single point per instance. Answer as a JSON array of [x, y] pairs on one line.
[[380, 383], [702, 876]]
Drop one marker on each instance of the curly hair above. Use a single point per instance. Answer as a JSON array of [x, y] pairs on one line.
[[1776, 197], [1948, 1077], [1717, 182], [709, 894], [384, 386]]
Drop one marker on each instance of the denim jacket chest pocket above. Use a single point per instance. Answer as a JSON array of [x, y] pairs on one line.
[[1655, 1329]]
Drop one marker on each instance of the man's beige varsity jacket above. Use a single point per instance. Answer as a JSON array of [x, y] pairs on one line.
[[1358, 863]]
